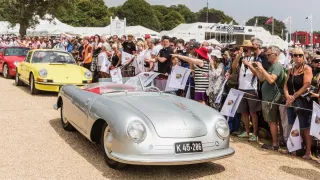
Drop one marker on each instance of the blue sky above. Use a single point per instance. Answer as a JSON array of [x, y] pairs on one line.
[[245, 9]]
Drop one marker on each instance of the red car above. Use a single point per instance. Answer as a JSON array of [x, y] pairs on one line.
[[9, 56]]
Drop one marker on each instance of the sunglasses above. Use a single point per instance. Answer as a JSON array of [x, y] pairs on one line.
[[316, 61], [298, 55]]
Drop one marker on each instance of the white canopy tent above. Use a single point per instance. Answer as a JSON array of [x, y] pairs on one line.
[[214, 42], [140, 32]]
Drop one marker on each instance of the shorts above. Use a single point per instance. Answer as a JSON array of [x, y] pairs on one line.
[[270, 112], [247, 105], [304, 117], [200, 96]]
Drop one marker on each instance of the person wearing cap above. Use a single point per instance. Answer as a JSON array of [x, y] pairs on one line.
[[201, 78], [216, 77], [129, 46], [249, 85], [147, 36]]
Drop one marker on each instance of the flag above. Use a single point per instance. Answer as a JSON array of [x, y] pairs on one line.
[[282, 33], [309, 18], [230, 29], [256, 24], [232, 102], [287, 20], [294, 141], [269, 20], [315, 121]]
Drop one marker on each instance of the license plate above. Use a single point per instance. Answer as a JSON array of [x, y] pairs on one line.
[[188, 147]]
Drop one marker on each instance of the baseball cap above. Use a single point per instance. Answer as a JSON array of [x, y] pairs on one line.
[[147, 36]]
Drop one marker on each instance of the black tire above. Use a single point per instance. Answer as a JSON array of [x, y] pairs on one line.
[[32, 86], [5, 72], [17, 80], [65, 124], [111, 163]]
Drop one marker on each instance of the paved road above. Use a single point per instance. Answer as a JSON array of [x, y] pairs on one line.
[[33, 145]]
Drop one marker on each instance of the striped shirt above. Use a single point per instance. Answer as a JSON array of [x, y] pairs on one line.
[[201, 78]]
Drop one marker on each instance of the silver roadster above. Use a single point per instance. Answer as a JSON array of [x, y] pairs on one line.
[[140, 125]]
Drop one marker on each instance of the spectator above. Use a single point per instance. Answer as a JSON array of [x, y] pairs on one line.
[[271, 93], [103, 63], [87, 53], [216, 77], [129, 46], [116, 57], [298, 80], [164, 63], [248, 84]]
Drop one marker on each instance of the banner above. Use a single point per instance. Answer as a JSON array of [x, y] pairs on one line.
[[125, 58], [116, 75], [315, 121], [218, 99], [147, 77], [232, 102], [168, 88], [294, 141], [179, 77], [117, 26]]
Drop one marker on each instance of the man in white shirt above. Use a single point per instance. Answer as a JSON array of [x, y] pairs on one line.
[[155, 52], [248, 83]]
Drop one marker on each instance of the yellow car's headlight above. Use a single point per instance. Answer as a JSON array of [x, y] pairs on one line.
[[43, 73], [88, 74]]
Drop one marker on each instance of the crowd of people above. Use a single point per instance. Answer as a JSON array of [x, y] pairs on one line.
[[278, 86]]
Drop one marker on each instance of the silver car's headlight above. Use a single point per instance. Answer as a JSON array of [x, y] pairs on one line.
[[222, 129], [43, 73], [88, 74], [137, 131]]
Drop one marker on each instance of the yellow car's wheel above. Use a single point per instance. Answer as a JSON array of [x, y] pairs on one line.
[[33, 89], [17, 80]]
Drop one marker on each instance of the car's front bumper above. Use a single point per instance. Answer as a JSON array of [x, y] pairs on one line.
[[52, 87], [166, 159]]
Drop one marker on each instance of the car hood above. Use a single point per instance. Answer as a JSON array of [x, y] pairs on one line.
[[63, 73], [169, 116]]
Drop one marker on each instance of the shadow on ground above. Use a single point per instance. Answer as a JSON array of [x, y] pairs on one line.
[[301, 172], [26, 89], [92, 153]]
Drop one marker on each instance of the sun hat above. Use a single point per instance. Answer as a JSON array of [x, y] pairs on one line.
[[247, 43], [216, 53], [203, 52]]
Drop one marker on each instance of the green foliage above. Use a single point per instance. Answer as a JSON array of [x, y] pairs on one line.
[[214, 16], [188, 15], [139, 12], [172, 20], [278, 25], [27, 13], [86, 13], [2, 18]]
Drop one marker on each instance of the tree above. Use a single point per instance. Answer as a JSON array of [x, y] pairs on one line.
[[139, 12], [278, 25], [188, 15], [28, 13], [86, 13], [172, 20], [2, 18], [214, 16]]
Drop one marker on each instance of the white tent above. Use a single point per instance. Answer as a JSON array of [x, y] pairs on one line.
[[213, 41], [140, 31]]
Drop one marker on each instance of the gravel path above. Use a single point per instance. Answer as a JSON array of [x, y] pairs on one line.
[[33, 145]]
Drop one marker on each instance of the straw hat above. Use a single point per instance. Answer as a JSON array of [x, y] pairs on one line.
[[246, 43]]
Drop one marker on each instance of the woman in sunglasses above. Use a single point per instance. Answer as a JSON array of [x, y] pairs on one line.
[[298, 81]]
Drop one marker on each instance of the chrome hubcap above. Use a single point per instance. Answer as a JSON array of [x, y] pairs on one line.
[[62, 116], [31, 84], [5, 70], [107, 138]]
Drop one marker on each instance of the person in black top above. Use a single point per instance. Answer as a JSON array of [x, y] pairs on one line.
[[129, 46], [164, 58]]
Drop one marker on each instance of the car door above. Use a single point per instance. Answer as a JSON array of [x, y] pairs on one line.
[[1, 59], [25, 67], [82, 101]]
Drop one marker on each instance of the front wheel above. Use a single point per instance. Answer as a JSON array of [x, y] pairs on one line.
[[107, 148], [17, 80], [65, 124], [33, 89]]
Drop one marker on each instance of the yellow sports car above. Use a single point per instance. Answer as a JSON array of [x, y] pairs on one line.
[[49, 70]]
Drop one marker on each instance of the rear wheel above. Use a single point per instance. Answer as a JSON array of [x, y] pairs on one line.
[[65, 124], [5, 72], [107, 148], [33, 89], [17, 80]]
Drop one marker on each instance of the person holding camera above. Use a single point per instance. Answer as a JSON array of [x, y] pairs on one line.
[[271, 93], [296, 91], [248, 83]]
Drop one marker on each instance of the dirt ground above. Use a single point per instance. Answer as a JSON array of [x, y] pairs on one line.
[[33, 145]]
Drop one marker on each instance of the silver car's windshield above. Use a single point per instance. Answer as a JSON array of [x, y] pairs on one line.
[[52, 57]]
